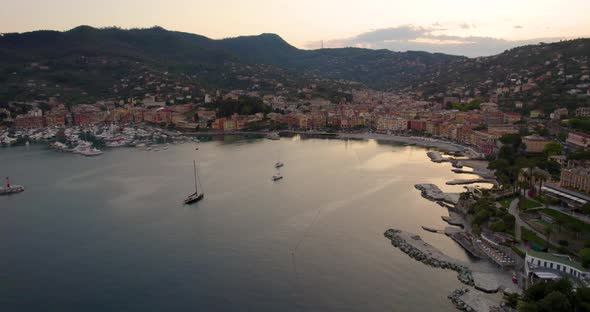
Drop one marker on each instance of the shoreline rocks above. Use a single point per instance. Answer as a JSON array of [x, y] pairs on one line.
[[455, 298], [433, 193], [464, 275]]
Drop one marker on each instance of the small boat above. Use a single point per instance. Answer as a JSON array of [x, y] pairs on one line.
[[196, 196], [196, 148], [277, 176], [273, 136]]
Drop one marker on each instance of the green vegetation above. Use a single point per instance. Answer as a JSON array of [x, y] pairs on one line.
[[552, 148], [551, 296], [464, 107], [530, 236], [580, 124], [584, 255], [525, 204], [484, 211], [569, 222], [518, 251], [243, 106], [579, 155], [505, 202]]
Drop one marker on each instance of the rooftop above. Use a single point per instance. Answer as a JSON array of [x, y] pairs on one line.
[[556, 258]]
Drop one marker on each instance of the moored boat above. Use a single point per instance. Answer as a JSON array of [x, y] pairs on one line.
[[196, 196], [11, 189]]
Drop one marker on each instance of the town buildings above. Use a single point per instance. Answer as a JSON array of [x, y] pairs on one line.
[[535, 143], [576, 178], [580, 140]]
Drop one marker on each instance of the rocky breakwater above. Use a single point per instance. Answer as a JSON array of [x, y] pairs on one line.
[[456, 298], [433, 192], [416, 248]]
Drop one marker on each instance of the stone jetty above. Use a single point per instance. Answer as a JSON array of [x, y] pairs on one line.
[[433, 192], [416, 248], [452, 220], [456, 298], [470, 181], [435, 156]]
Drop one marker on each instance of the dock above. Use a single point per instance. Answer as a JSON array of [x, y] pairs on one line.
[[466, 242]]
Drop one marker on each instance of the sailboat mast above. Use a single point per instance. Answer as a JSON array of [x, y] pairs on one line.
[[195, 169]]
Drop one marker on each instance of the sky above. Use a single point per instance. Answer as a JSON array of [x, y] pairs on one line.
[[464, 27]]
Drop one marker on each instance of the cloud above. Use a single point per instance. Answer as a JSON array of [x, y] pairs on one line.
[[465, 25], [428, 38]]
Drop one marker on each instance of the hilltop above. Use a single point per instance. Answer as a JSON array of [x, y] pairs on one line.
[[91, 61]]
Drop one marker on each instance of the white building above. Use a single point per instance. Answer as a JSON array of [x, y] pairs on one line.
[[543, 266]]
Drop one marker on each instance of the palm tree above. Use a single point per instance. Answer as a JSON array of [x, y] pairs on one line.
[[541, 176], [526, 174]]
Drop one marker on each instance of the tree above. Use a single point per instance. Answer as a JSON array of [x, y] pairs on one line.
[[560, 221], [511, 299], [541, 176], [525, 306], [548, 231], [512, 139], [583, 299], [552, 148], [555, 301], [576, 228], [584, 255]]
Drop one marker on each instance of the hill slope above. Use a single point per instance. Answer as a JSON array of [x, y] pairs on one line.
[[93, 59]]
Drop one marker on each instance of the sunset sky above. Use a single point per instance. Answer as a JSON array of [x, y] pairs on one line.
[[469, 27]]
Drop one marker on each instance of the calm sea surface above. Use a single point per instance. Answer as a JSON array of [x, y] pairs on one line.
[[110, 233]]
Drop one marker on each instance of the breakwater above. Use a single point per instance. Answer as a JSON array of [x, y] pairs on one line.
[[416, 248], [456, 298]]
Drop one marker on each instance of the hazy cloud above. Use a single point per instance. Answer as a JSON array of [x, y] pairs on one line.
[[466, 25], [418, 38]]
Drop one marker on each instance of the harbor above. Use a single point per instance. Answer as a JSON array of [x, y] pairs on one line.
[[129, 202]]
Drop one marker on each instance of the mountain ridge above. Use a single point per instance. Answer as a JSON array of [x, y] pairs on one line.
[[80, 50]]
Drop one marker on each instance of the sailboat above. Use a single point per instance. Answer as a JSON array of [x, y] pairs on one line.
[[196, 196], [279, 164]]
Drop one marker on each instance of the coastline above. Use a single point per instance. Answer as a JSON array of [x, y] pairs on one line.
[[484, 285], [414, 140], [486, 282]]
